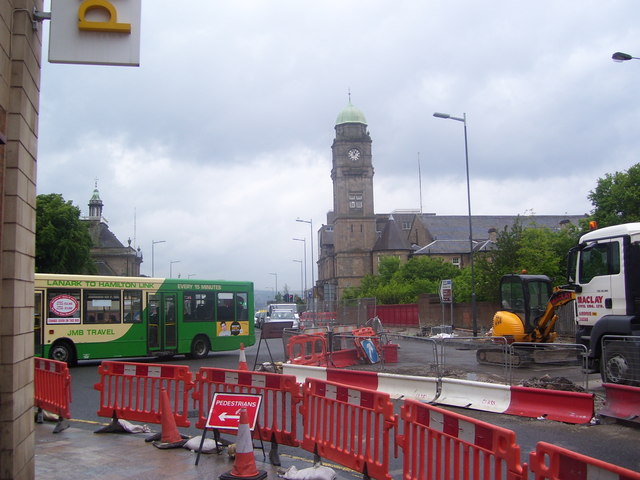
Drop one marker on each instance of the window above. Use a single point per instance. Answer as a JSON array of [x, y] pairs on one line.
[[63, 306], [133, 306], [599, 259], [406, 225], [198, 306], [102, 306], [456, 261], [355, 200]]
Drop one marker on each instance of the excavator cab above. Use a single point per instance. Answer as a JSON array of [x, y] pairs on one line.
[[528, 315], [526, 296], [524, 300]]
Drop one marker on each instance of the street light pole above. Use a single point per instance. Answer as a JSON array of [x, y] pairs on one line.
[[313, 279], [276, 291], [304, 241], [474, 313], [301, 283], [153, 244], [171, 267]]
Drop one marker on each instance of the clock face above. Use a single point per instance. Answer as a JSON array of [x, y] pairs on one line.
[[354, 154]]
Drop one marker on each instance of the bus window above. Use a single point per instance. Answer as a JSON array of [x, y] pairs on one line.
[[198, 307], [241, 306], [37, 322], [225, 307], [102, 306], [132, 306], [63, 306]]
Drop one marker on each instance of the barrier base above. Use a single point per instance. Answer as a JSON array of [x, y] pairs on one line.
[[230, 476]]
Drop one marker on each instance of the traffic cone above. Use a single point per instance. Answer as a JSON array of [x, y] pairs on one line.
[[242, 364], [170, 437], [244, 466]]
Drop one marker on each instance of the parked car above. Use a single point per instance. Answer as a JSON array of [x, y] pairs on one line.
[[283, 316]]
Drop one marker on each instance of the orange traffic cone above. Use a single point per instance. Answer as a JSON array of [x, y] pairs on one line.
[[245, 463], [242, 364], [170, 437]]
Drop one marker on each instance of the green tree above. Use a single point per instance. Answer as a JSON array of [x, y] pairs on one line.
[[63, 242], [616, 198], [403, 283], [536, 250]]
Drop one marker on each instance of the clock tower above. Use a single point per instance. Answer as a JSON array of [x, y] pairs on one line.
[[354, 222]]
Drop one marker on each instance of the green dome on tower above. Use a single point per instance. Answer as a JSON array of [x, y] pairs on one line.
[[351, 114]]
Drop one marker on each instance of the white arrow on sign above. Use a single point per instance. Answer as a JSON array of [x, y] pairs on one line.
[[224, 416]]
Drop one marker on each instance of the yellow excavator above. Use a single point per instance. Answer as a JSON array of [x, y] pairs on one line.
[[528, 315]]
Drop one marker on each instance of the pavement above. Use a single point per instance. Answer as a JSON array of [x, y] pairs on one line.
[[79, 453]]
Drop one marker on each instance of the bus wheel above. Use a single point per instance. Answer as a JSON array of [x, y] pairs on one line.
[[200, 347], [619, 365], [63, 352]]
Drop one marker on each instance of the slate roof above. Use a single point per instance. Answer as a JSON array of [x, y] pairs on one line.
[[392, 238], [454, 227]]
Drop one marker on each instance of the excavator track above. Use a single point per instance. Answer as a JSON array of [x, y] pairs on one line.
[[522, 357], [498, 356]]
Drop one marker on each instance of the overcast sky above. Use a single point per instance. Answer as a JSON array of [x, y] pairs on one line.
[[222, 137]]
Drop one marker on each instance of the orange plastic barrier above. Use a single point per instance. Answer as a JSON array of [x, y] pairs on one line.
[[308, 349], [131, 391], [349, 425], [439, 444], [52, 387], [622, 401], [557, 463], [281, 396]]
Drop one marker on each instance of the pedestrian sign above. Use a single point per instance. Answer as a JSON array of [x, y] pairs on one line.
[[225, 410]]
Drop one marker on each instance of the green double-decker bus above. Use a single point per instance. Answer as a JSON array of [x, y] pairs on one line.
[[84, 317]]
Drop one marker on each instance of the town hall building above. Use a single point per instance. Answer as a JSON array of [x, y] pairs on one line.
[[354, 238]]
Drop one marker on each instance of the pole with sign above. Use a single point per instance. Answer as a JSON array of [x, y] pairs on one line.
[[446, 296]]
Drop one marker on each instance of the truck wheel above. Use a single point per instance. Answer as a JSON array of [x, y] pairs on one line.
[[63, 352], [620, 365], [200, 347]]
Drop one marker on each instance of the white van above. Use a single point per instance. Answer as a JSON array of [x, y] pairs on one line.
[[290, 307]]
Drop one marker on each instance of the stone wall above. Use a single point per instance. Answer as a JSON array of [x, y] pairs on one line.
[[20, 54]]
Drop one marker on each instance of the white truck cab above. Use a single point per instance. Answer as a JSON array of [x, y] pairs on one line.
[[604, 271]]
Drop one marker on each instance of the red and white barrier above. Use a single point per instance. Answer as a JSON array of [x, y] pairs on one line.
[[622, 402], [397, 386], [131, 391], [488, 397], [561, 406], [349, 425], [550, 462], [438, 444], [569, 407]]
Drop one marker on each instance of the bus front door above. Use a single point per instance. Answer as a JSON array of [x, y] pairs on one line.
[[161, 323], [37, 322]]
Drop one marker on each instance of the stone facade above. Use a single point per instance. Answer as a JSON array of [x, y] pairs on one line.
[[20, 57]]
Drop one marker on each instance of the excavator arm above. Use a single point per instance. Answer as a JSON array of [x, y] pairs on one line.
[[543, 332]]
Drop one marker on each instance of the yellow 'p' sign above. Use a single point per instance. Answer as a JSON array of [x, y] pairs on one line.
[[111, 25]]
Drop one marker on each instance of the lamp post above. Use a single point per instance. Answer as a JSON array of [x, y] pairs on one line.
[[304, 245], [171, 267], [153, 244], [313, 279], [301, 283], [474, 316], [276, 291], [622, 57]]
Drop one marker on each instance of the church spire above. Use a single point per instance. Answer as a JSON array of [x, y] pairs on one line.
[[95, 204]]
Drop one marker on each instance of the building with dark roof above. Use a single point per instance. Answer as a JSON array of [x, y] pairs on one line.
[[355, 238], [109, 254]]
